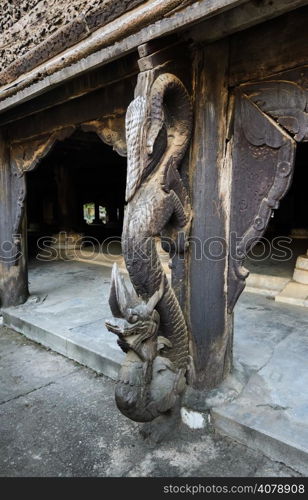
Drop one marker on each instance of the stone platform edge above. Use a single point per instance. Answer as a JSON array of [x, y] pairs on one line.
[[269, 445], [80, 352]]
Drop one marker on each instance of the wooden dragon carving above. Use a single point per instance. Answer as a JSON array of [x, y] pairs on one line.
[[148, 319]]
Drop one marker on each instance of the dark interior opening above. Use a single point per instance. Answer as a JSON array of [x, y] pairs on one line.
[[289, 224], [292, 215], [79, 187]]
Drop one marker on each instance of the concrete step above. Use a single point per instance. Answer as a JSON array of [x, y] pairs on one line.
[[301, 270], [101, 353], [294, 293], [265, 284], [283, 290], [260, 436]]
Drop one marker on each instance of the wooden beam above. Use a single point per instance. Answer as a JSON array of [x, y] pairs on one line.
[[125, 68], [110, 102], [240, 18], [269, 48]]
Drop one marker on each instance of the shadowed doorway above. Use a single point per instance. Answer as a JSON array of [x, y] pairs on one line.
[[78, 188]]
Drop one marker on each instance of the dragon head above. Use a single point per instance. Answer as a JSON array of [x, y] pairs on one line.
[[148, 383], [135, 321]]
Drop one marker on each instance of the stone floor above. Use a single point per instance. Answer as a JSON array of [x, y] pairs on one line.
[[58, 418], [263, 404], [270, 408]]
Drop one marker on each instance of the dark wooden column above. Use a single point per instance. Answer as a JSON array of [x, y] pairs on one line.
[[13, 242], [211, 325]]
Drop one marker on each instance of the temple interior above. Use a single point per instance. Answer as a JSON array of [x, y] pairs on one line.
[[79, 189]]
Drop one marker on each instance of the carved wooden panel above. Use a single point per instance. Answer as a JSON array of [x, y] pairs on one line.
[[111, 130], [263, 160], [25, 155], [285, 99], [32, 31]]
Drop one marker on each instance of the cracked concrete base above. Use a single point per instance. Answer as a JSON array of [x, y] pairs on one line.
[[263, 403], [270, 412]]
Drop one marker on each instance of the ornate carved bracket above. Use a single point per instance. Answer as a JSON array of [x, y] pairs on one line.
[[266, 113], [111, 130], [25, 155], [148, 319], [285, 99]]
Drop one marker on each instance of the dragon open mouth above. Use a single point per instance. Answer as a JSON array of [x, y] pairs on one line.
[[121, 327], [114, 326]]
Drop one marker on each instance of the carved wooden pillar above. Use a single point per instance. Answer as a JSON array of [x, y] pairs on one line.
[[148, 318], [13, 251], [241, 168], [211, 324], [15, 160]]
